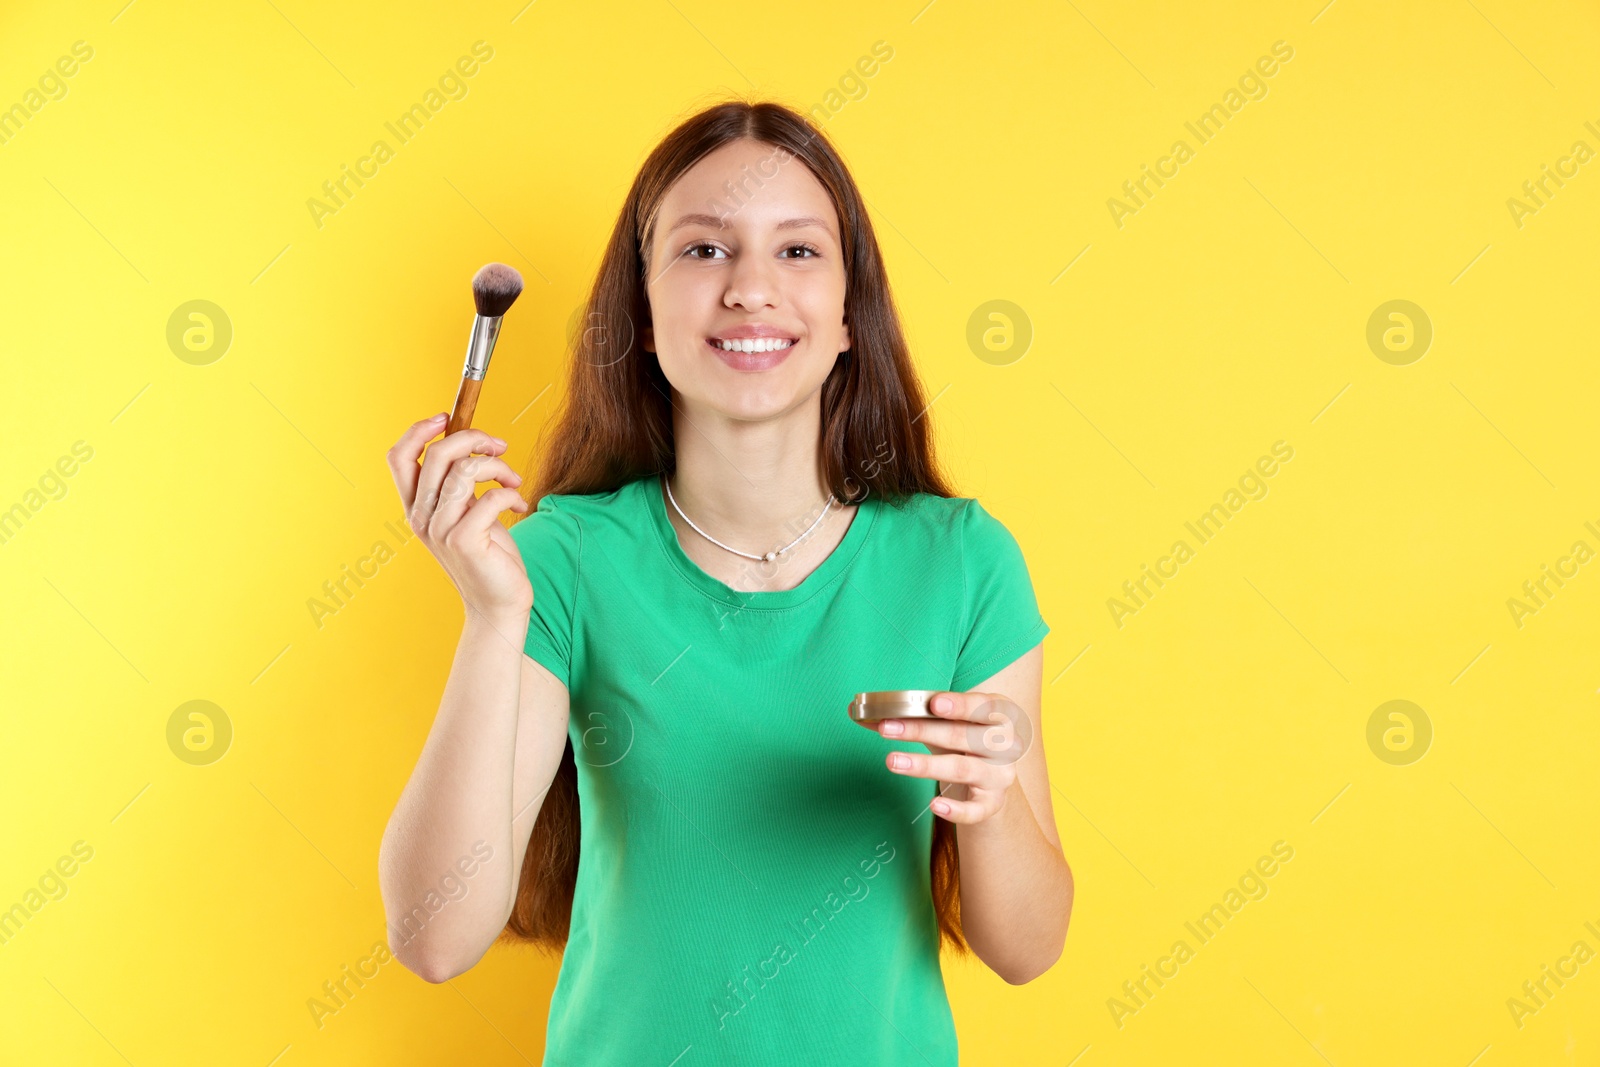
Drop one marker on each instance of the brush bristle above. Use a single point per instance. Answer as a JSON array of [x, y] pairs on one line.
[[495, 288]]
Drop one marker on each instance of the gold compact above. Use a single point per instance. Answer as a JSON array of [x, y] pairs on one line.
[[892, 704]]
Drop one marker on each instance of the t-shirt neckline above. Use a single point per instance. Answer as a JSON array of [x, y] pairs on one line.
[[667, 536]]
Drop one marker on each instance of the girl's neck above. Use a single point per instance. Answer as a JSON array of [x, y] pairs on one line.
[[752, 506], [749, 483], [817, 540], [755, 488]]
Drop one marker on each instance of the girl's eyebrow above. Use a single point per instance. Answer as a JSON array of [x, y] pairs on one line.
[[716, 222]]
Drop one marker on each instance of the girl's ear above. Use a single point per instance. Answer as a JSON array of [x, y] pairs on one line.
[[845, 339]]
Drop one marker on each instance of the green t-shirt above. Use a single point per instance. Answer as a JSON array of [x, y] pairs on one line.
[[753, 882]]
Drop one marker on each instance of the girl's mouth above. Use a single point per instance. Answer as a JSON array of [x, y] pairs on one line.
[[751, 344], [752, 354]]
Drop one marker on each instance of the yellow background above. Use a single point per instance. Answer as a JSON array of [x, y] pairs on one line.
[[1230, 312]]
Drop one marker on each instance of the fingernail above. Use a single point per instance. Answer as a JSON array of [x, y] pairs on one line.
[[439, 417], [942, 703], [890, 726], [899, 761]]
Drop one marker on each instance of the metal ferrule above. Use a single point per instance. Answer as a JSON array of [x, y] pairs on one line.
[[485, 330]]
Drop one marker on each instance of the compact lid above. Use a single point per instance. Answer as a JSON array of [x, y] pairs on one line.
[[892, 704]]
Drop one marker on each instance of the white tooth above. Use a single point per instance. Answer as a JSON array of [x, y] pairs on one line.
[[770, 344]]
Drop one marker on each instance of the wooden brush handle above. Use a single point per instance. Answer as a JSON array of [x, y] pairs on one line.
[[466, 404]]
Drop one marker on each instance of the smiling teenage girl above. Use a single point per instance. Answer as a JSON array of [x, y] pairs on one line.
[[740, 525]]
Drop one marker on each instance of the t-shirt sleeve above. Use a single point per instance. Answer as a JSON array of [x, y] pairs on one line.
[[551, 542], [1001, 619]]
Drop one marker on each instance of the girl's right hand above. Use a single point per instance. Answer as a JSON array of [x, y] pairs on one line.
[[464, 534]]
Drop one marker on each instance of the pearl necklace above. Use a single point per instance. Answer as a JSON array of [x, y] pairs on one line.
[[767, 557]]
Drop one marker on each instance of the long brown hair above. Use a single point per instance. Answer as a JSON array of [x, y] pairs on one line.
[[615, 426]]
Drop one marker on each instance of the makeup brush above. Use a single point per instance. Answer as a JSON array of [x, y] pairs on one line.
[[494, 289]]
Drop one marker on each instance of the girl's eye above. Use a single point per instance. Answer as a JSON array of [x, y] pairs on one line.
[[792, 248]]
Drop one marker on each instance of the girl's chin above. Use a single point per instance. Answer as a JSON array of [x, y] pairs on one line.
[[748, 399]]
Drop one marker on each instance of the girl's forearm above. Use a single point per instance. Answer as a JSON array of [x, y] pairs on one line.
[[459, 793], [1016, 890]]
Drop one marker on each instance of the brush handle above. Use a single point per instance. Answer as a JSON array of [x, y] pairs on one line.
[[466, 404]]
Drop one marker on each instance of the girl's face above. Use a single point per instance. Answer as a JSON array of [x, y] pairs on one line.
[[746, 238]]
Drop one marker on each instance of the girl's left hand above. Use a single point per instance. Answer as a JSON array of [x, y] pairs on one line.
[[975, 742]]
